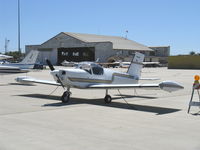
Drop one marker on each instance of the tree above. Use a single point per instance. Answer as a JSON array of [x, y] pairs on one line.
[[192, 53], [17, 56]]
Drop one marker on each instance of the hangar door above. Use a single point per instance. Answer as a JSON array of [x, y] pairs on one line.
[[76, 54]]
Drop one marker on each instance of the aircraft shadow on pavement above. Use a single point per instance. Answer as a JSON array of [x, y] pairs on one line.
[[196, 114], [22, 84], [100, 102], [3, 84]]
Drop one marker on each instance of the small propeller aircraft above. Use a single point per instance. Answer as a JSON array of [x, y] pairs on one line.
[[89, 75], [22, 67], [3, 57]]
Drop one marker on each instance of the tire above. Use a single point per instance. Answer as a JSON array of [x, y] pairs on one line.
[[108, 99], [65, 97]]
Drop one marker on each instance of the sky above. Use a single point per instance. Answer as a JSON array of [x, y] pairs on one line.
[[174, 23]]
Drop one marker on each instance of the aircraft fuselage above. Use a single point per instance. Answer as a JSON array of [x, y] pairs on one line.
[[80, 78]]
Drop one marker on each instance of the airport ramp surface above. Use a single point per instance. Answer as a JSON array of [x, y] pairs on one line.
[[33, 118]]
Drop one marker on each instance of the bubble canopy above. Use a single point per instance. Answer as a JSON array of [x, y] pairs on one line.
[[91, 68]]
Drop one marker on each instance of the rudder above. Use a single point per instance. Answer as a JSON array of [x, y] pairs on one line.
[[30, 58], [136, 65]]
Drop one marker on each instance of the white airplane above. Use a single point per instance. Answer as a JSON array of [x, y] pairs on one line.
[[11, 70], [3, 57], [92, 76], [145, 64], [21, 67], [72, 63], [68, 63], [28, 62]]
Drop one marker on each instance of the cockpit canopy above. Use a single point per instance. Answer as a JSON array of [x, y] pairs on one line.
[[91, 68]]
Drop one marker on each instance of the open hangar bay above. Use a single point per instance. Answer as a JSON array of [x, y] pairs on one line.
[[33, 118]]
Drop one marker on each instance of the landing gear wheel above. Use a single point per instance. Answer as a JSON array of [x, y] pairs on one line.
[[107, 99], [65, 97]]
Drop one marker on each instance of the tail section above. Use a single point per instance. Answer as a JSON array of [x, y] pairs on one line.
[[30, 58], [136, 65]]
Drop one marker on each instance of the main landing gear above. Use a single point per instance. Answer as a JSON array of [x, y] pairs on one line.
[[108, 98], [66, 96]]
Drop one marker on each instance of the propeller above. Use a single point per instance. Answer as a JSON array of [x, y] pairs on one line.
[[52, 69], [50, 65]]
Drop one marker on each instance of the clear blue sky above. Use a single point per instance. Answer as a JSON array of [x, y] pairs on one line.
[[150, 22]]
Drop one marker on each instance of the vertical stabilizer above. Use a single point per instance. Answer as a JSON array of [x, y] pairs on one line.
[[30, 58], [136, 65]]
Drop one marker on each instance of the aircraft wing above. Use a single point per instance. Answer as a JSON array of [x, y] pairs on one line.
[[149, 79], [169, 86], [25, 79], [120, 86], [165, 85]]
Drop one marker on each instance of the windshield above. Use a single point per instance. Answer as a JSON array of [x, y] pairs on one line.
[[91, 68], [86, 67], [97, 69]]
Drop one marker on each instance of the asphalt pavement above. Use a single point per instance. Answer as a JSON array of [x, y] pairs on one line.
[[33, 117]]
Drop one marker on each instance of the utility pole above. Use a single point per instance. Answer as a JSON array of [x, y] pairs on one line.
[[126, 36], [6, 45], [19, 49]]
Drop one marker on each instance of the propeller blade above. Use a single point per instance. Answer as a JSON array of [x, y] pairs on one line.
[[52, 69], [50, 65], [59, 80]]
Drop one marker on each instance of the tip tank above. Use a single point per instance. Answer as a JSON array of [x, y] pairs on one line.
[[170, 86]]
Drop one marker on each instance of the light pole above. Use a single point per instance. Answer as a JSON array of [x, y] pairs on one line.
[[6, 45], [126, 37], [19, 49]]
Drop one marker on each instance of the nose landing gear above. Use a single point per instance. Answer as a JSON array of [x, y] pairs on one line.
[[66, 96]]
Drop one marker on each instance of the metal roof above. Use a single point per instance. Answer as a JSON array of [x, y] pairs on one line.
[[118, 42]]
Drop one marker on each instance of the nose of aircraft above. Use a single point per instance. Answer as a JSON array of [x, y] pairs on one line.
[[54, 72], [170, 86]]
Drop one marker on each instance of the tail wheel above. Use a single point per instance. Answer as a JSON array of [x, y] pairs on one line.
[[65, 97], [107, 99]]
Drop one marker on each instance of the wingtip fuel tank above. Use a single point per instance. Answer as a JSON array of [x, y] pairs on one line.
[[170, 86]]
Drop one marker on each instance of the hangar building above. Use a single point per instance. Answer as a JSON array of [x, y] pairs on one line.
[[84, 47], [160, 54]]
